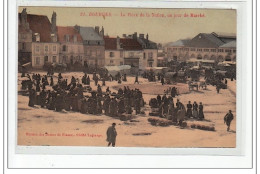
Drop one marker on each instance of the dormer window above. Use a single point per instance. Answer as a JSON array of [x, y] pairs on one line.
[[67, 38], [75, 38], [37, 37]]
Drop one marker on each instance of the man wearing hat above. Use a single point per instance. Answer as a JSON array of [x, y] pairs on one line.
[[228, 118], [111, 135]]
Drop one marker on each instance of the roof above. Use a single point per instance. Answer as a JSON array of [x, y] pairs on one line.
[[110, 43], [147, 43], [126, 44], [204, 40], [224, 35], [232, 44], [130, 44], [40, 24], [178, 43], [89, 33], [71, 31]]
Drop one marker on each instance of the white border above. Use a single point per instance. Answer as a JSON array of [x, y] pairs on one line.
[[148, 160]]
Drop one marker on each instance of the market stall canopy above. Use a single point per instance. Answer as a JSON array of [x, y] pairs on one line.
[[113, 70]]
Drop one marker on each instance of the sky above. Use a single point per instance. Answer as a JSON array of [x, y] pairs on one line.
[[162, 25]]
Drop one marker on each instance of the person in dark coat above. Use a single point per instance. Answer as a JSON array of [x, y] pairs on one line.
[[113, 107], [32, 97], [124, 79], [162, 81], [195, 110], [106, 104], [84, 106], [103, 82], [137, 106], [201, 113], [43, 98], [228, 118], [189, 110], [173, 91], [111, 135], [121, 106], [136, 79], [88, 81], [51, 84], [59, 102], [159, 100]]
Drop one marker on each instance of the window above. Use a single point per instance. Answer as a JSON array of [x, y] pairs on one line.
[[111, 54], [37, 48], [150, 55], [121, 63], [54, 48], [64, 48], [54, 59], [67, 38], [37, 61], [206, 50], [220, 50], [228, 51], [199, 49], [131, 54], [75, 39], [37, 37], [23, 46], [111, 61], [144, 56], [213, 50], [193, 49], [98, 43], [234, 51], [45, 58], [46, 48]]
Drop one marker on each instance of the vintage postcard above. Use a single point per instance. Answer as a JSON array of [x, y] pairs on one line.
[[126, 77]]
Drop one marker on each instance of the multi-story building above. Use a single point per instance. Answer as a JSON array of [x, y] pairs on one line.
[[41, 37], [150, 51], [71, 46], [213, 46], [24, 39], [93, 42], [114, 52]]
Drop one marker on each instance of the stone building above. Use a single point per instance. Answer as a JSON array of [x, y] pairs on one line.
[[150, 51], [37, 38], [114, 53], [71, 46], [212, 46], [24, 38], [94, 45]]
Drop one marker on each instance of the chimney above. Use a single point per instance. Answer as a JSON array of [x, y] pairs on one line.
[[77, 28], [53, 22], [24, 17], [97, 29], [102, 32], [135, 35], [117, 42], [147, 36], [141, 36], [124, 35]]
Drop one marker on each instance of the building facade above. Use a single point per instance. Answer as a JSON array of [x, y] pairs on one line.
[[211, 46], [71, 46], [94, 45], [24, 39], [150, 51], [37, 38]]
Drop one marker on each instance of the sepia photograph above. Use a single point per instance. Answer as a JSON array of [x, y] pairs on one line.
[[126, 77]]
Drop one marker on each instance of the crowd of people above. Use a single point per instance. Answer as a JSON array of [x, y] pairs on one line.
[[70, 96]]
